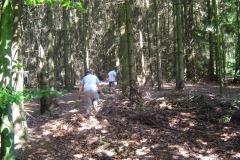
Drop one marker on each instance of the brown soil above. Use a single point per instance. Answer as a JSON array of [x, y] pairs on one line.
[[159, 125]]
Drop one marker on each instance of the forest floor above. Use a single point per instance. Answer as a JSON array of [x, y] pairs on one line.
[[165, 125]]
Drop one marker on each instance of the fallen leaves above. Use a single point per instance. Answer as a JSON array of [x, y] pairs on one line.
[[167, 126]]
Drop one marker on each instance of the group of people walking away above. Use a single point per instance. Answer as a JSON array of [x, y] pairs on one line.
[[90, 87]]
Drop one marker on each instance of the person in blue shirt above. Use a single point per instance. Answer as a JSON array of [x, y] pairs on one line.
[[111, 79], [90, 85]]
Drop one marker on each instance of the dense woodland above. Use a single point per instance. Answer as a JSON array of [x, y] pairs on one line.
[[46, 46]]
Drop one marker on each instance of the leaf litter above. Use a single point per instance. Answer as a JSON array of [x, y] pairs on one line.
[[166, 124]]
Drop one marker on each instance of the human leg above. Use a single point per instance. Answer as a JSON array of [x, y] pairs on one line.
[[88, 102], [111, 84], [91, 99], [95, 101]]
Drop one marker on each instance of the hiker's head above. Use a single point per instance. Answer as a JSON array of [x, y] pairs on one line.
[[114, 68], [88, 71]]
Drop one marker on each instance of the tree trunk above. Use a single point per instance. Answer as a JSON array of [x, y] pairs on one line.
[[42, 76], [19, 114], [6, 122], [237, 54], [175, 54], [51, 65], [150, 53], [84, 40], [180, 68], [72, 46], [169, 63], [140, 57], [189, 39], [210, 41], [131, 57], [156, 40], [218, 49], [123, 73], [66, 50], [224, 72]]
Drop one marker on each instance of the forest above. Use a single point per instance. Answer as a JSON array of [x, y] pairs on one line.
[[177, 88]]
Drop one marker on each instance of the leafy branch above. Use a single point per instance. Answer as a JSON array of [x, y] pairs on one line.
[[9, 96], [64, 3]]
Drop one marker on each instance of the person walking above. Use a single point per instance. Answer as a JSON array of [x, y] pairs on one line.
[[90, 85], [111, 79]]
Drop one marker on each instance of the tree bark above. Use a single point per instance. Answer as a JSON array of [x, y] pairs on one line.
[[189, 39], [218, 49], [156, 40], [180, 68], [6, 122], [50, 60], [44, 100], [210, 41], [84, 40], [66, 50], [150, 52], [131, 57], [19, 114], [123, 72], [237, 54]]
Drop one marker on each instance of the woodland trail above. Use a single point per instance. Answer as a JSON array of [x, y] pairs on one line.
[[168, 125]]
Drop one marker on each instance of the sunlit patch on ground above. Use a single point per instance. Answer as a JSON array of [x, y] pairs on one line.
[[169, 126]]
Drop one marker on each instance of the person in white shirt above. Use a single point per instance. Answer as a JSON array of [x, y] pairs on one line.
[[111, 79], [90, 85]]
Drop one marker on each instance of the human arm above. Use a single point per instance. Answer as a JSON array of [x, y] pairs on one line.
[[100, 89], [79, 91]]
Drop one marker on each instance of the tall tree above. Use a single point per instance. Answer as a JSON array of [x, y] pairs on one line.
[[189, 39], [6, 122], [218, 47], [149, 44], [18, 74], [156, 44], [123, 72], [180, 66], [131, 57], [237, 55], [42, 75], [140, 57], [167, 57], [210, 41], [50, 54], [43, 65], [84, 37], [66, 49], [72, 46]]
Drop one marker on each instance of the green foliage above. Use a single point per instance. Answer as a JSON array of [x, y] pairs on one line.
[[64, 3], [78, 5], [31, 93], [17, 65], [229, 112], [9, 95], [225, 118], [231, 69]]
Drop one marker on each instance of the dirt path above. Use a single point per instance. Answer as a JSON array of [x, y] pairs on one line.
[[170, 125]]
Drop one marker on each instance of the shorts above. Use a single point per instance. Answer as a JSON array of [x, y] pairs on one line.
[[111, 84], [89, 97]]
